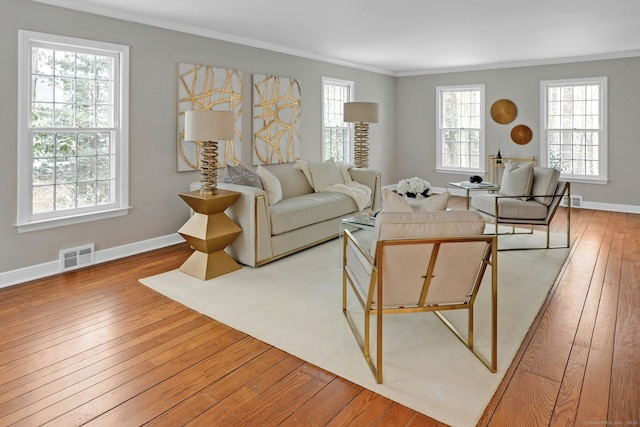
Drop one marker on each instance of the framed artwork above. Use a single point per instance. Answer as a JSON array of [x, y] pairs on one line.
[[276, 119], [202, 87]]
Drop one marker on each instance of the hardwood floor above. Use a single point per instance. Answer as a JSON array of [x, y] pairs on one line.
[[95, 347]]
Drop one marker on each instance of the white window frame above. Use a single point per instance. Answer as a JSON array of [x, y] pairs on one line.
[[28, 221], [480, 170], [346, 126], [545, 85]]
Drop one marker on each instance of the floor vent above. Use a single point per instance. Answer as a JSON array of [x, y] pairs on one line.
[[70, 259], [576, 201]]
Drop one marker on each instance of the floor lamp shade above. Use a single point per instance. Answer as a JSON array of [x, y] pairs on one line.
[[208, 127], [365, 112], [361, 113]]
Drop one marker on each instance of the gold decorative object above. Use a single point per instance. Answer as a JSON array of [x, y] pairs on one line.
[[521, 134], [504, 111], [276, 119], [361, 113], [203, 87], [209, 231], [206, 127]]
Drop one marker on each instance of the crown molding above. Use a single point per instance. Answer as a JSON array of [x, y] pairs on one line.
[[203, 32]]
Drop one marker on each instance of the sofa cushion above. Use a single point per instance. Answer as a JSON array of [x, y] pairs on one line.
[[517, 179], [393, 202], [407, 225], [271, 185], [293, 183], [297, 212], [241, 176], [545, 182], [509, 208]]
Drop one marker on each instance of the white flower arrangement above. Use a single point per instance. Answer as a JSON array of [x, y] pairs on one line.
[[411, 187]]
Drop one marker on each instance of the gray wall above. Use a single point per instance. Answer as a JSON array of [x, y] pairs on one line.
[[156, 210], [416, 125], [402, 144]]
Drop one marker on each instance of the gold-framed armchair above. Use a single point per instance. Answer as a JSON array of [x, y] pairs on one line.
[[535, 209], [420, 262]]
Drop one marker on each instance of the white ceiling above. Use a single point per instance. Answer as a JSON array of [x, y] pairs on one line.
[[401, 37]]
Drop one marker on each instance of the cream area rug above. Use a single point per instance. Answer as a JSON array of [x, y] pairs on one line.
[[295, 304]]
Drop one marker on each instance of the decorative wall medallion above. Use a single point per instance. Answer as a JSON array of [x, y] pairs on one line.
[[276, 119], [202, 87], [521, 134], [503, 111]]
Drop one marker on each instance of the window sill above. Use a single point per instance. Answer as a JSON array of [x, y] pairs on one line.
[[462, 171], [578, 180], [28, 227]]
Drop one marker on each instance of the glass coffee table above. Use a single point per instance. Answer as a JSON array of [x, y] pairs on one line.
[[359, 221], [470, 186]]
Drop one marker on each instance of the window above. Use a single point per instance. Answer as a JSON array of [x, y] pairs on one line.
[[73, 131], [460, 138], [336, 134], [574, 134]]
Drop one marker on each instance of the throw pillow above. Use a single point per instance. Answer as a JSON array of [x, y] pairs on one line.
[[325, 174], [241, 176], [344, 171], [545, 182], [517, 179], [434, 203], [304, 167], [393, 202], [271, 185]]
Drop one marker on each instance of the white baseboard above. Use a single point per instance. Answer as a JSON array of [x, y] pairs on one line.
[[13, 277], [598, 206]]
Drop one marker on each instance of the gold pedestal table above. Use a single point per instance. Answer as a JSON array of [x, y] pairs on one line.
[[209, 231]]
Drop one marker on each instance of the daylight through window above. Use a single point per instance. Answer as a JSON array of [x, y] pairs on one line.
[[73, 137], [336, 141], [460, 128], [574, 121]]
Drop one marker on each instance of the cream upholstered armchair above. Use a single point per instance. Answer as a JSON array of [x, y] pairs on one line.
[[420, 261]]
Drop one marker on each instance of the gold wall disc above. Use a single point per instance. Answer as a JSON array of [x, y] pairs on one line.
[[504, 111], [521, 134]]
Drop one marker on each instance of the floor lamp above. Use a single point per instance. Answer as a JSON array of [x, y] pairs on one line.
[[361, 113], [208, 127]]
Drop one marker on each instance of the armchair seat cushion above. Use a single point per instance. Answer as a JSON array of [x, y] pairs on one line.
[[509, 208]]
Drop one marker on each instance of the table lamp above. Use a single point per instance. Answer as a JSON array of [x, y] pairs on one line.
[[207, 127]]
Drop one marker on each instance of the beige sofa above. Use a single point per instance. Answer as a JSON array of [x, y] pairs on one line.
[[302, 218]]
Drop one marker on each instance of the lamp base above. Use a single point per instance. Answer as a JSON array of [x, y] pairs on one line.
[[361, 145], [208, 168]]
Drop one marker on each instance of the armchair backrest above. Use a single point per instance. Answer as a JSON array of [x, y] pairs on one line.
[[561, 190], [427, 258]]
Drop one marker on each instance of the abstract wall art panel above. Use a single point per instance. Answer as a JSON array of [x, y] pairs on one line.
[[202, 87], [276, 119]]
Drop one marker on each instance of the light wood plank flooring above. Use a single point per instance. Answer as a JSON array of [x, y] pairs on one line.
[[95, 347]]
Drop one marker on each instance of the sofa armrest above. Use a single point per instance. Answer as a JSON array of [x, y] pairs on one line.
[[372, 179], [251, 213]]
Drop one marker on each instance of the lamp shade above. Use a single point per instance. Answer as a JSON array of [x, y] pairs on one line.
[[365, 112], [208, 125]]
